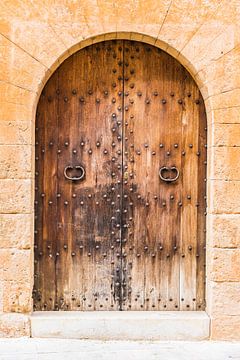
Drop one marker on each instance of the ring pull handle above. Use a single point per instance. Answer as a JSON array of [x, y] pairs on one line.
[[168, 170], [79, 168]]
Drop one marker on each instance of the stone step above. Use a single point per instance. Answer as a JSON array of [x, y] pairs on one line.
[[135, 325]]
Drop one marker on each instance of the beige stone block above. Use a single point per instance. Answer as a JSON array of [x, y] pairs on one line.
[[140, 17], [183, 21], [15, 161], [225, 328], [17, 296], [210, 43], [1, 296], [226, 116], [110, 35], [226, 164], [15, 94], [225, 299], [226, 134], [18, 67], [223, 71], [10, 111], [224, 196], [14, 325], [224, 265], [16, 265], [24, 24], [15, 132], [73, 23], [16, 231], [15, 196], [224, 100], [226, 83], [224, 231]]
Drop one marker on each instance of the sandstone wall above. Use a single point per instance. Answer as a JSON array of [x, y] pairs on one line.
[[35, 37]]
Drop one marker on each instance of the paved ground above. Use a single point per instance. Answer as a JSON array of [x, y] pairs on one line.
[[57, 349]]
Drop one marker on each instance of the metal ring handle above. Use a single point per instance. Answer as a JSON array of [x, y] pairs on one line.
[[74, 178], [171, 169]]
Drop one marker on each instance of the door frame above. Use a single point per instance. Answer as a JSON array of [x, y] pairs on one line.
[[158, 44]]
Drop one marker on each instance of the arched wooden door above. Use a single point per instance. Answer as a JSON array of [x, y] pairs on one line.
[[120, 183]]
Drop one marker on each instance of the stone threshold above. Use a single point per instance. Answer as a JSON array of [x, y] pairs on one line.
[[134, 325]]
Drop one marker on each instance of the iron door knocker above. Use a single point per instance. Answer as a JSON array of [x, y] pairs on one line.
[[78, 168], [169, 169]]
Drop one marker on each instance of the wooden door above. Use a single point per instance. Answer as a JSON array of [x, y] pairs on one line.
[[120, 183]]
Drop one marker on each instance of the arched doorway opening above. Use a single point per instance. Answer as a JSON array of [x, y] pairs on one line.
[[120, 183]]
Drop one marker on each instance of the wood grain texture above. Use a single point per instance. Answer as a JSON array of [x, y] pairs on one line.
[[121, 238]]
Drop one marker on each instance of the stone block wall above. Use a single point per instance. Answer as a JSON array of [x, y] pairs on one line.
[[35, 37]]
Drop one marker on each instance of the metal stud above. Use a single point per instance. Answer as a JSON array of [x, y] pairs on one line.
[[164, 101], [97, 100], [90, 151], [161, 146], [180, 101]]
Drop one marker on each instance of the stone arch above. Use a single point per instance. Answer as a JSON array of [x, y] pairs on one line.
[[128, 35]]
